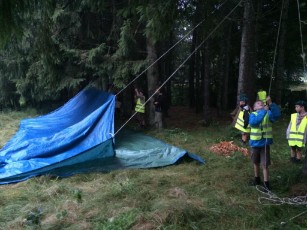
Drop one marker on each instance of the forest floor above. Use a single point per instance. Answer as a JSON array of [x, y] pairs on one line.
[[215, 195], [186, 118]]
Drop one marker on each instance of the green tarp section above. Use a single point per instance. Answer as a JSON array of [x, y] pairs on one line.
[[136, 150]]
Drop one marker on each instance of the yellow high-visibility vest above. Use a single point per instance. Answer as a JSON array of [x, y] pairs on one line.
[[296, 135], [240, 123], [139, 107], [264, 130], [262, 96]]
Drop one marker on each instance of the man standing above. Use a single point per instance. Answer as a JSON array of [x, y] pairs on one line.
[[159, 102]]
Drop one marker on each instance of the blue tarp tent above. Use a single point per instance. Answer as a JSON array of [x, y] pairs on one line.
[[78, 138]]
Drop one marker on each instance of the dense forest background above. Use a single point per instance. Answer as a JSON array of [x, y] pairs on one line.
[[208, 51]]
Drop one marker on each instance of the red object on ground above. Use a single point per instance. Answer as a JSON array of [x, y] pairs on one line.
[[226, 148]]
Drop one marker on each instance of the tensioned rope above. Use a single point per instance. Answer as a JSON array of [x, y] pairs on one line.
[[301, 34], [270, 198], [276, 45], [172, 47], [272, 72], [209, 35]]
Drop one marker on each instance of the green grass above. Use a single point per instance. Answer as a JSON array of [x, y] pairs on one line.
[[215, 195]]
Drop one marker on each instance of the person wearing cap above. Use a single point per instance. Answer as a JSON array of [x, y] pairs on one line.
[[159, 103], [140, 107], [297, 131], [261, 138], [242, 119]]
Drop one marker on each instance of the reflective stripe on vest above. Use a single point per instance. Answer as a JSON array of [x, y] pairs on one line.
[[139, 107], [296, 136], [263, 131], [240, 123], [262, 96]]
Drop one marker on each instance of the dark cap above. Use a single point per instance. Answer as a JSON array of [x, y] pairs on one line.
[[243, 97], [301, 103]]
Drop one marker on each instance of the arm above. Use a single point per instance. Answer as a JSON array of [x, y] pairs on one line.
[[155, 100], [245, 118], [274, 112], [288, 130], [137, 93]]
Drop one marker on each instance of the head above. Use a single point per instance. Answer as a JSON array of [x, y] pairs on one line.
[[258, 105], [243, 100], [159, 90], [300, 106], [242, 103]]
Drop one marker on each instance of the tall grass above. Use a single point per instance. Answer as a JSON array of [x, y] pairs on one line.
[[216, 195]]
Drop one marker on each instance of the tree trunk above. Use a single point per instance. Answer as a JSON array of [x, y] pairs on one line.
[[280, 65], [192, 72], [152, 77], [198, 104], [222, 89], [206, 82], [166, 71], [258, 15], [221, 62], [226, 69], [246, 69]]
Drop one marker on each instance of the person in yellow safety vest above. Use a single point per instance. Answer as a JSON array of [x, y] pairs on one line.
[[261, 96], [297, 131], [261, 138], [242, 119], [140, 107]]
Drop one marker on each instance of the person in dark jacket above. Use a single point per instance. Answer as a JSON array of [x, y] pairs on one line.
[[159, 102]]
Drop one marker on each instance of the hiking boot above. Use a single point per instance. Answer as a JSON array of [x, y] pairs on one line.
[[267, 186], [292, 159], [256, 181], [298, 161]]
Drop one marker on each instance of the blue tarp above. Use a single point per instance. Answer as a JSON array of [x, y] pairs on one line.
[[77, 138]]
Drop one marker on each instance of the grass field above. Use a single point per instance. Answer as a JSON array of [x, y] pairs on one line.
[[216, 195]]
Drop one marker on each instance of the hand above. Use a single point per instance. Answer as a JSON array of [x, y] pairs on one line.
[[269, 100], [266, 107]]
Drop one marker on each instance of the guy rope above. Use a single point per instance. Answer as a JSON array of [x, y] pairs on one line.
[[209, 35], [166, 52]]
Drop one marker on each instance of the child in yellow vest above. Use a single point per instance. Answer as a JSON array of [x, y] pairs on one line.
[[140, 107], [243, 118], [297, 131]]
